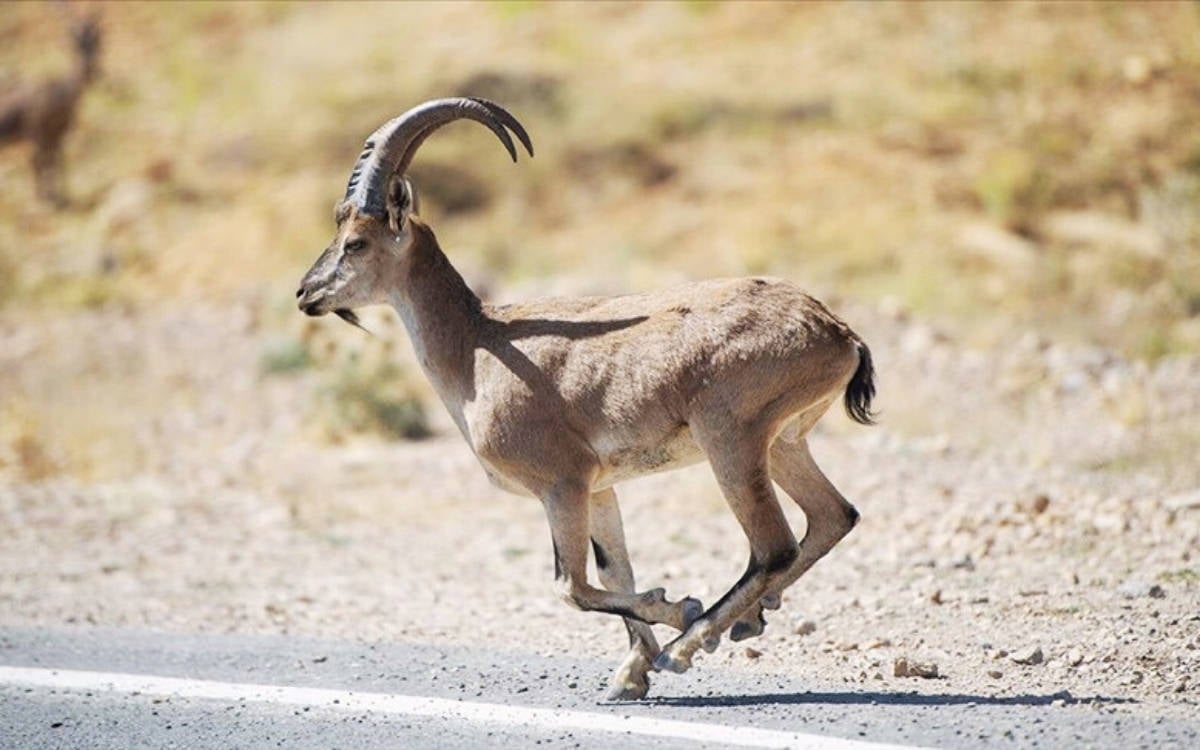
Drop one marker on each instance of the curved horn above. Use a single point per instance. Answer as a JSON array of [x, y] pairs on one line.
[[391, 148]]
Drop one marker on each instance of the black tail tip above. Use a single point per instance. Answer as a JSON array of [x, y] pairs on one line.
[[861, 389]]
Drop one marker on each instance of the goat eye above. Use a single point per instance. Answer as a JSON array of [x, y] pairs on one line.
[[353, 246]]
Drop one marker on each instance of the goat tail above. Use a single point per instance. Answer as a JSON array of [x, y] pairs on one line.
[[861, 388]]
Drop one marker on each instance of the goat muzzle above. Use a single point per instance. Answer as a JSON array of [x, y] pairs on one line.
[[309, 303]]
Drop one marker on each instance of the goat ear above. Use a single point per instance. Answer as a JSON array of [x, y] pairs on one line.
[[401, 201]]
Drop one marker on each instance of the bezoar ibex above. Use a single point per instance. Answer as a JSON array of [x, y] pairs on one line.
[[43, 113], [563, 398]]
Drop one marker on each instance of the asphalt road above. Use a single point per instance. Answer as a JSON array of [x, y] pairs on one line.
[[111, 688]]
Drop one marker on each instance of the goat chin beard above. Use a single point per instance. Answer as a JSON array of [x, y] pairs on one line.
[[348, 315]]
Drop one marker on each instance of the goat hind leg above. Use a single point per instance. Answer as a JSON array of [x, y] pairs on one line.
[[740, 465], [830, 517], [631, 681]]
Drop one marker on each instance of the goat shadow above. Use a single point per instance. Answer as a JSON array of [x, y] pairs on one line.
[[875, 698], [568, 329]]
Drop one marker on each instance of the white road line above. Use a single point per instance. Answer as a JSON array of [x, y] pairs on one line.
[[409, 705]]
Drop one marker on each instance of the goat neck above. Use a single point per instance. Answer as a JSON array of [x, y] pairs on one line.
[[442, 315]]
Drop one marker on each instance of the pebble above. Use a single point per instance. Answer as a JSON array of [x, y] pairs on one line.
[[805, 627], [995, 674], [1136, 589], [1032, 655], [752, 653], [902, 667]]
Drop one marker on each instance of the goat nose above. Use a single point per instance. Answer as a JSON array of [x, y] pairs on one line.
[[299, 292]]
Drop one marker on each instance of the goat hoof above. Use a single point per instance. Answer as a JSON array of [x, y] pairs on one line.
[[655, 596], [710, 643], [742, 630], [771, 601], [628, 691], [692, 610], [667, 662]]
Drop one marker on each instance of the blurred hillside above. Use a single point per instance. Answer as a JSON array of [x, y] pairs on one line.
[[986, 165], [990, 169]]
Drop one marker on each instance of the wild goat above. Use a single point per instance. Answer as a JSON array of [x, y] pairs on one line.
[[42, 114], [563, 398]]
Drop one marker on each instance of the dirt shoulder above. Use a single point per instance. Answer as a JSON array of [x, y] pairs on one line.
[[1022, 529]]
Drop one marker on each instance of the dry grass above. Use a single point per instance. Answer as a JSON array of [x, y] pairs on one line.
[[988, 166], [848, 146]]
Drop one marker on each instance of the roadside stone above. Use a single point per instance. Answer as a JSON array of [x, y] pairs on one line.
[[805, 627], [878, 643], [902, 667], [995, 674], [752, 653], [1136, 589], [1182, 502], [1075, 657], [1028, 656]]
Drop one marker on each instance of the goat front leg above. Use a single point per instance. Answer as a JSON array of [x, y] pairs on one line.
[[830, 517], [567, 510], [739, 462], [47, 172], [631, 680]]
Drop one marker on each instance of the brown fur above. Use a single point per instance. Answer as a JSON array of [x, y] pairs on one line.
[[42, 114], [562, 398]]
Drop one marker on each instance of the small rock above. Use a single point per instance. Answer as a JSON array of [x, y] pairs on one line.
[[936, 597], [805, 627], [752, 653], [963, 563], [1039, 505], [902, 667], [1182, 502], [879, 643], [846, 646], [1074, 657], [995, 674], [1135, 589], [1029, 656]]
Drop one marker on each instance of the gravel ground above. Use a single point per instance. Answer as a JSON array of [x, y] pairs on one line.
[[1031, 523]]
